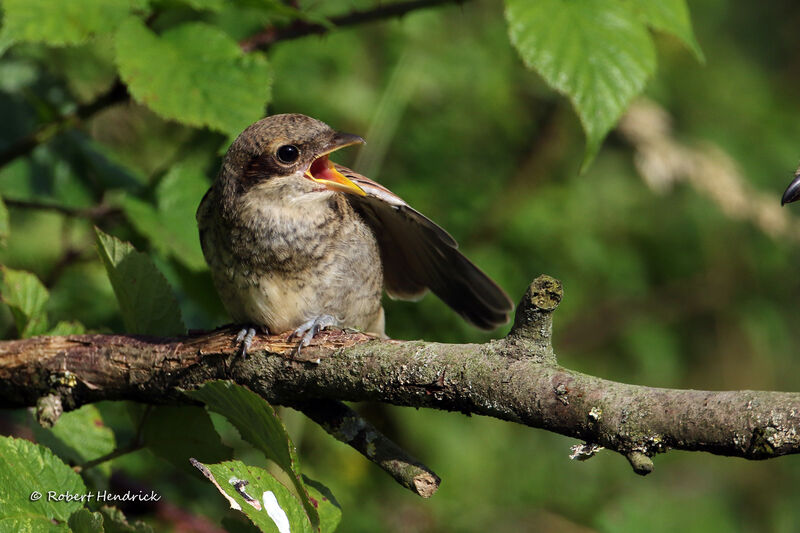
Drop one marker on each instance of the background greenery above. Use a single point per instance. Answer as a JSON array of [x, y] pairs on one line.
[[663, 288]]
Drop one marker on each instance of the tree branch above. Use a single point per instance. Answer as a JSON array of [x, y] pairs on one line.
[[94, 213], [349, 427], [515, 379], [302, 28], [24, 146]]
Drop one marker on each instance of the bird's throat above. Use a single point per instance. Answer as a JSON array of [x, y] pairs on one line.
[[323, 171]]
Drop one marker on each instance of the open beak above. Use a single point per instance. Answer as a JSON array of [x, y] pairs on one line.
[[793, 190], [324, 172]]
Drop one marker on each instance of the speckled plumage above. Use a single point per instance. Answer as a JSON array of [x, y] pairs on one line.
[[284, 249]]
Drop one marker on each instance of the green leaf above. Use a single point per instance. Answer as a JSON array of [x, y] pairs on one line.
[[596, 52], [177, 433], [179, 194], [171, 227], [78, 436], [145, 298], [6, 41], [26, 467], [85, 521], [235, 524], [195, 74], [65, 327], [669, 16], [61, 23], [35, 524], [258, 424], [115, 522], [265, 501], [206, 5], [330, 512], [26, 296], [5, 225], [88, 70]]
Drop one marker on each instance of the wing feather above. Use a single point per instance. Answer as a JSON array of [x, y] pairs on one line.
[[418, 255]]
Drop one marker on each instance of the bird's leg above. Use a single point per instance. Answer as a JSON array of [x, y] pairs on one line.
[[310, 328], [245, 340]]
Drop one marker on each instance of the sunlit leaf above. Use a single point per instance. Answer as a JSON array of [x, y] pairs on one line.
[[26, 296], [258, 424], [114, 521], [78, 436], [596, 52], [26, 467], [85, 521], [63, 22], [265, 501], [194, 73], [206, 5], [67, 328], [669, 16], [330, 512], [88, 69]]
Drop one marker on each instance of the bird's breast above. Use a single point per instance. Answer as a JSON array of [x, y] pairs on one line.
[[280, 265]]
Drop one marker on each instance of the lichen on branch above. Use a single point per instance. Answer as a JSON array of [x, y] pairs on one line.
[[515, 379]]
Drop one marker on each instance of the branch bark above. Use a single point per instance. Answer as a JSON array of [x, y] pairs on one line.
[[349, 427], [516, 379]]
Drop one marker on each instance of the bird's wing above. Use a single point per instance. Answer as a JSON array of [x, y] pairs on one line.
[[418, 255]]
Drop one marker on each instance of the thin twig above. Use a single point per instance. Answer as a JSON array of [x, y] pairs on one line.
[[97, 212], [117, 452], [67, 259], [301, 28], [136, 444], [349, 427], [24, 146], [663, 161]]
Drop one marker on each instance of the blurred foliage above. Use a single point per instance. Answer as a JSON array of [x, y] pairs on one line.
[[662, 288], [598, 53]]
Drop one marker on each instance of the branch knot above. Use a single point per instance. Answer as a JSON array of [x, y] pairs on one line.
[[533, 323]]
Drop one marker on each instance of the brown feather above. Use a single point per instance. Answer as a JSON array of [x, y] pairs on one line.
[[418, 255]]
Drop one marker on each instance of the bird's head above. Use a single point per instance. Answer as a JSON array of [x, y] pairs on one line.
[[288, 153]]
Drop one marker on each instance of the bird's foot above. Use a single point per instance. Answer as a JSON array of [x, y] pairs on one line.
[[245, 339], [308, 330]]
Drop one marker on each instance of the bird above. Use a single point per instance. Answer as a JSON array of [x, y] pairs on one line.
[[792, 192], [296, 242]]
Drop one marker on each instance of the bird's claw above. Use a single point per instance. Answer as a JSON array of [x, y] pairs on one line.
[[245, 340], [308, 330]]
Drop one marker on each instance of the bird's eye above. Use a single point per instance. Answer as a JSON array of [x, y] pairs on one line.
[[288, 153]]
